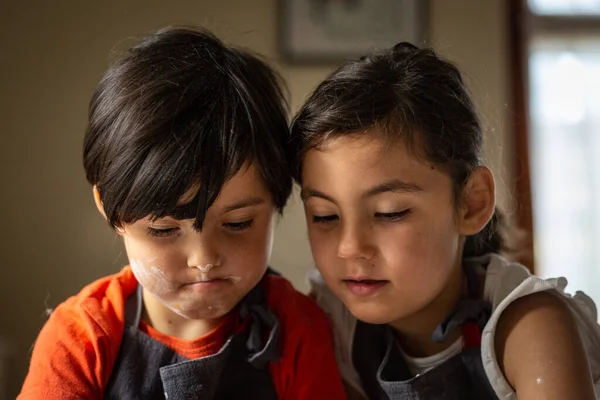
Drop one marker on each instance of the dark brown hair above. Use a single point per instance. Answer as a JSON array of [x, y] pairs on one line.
[[182, 109], [407, 94]]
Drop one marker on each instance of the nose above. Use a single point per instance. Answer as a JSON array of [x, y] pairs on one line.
[[203, 252], [355, 241]]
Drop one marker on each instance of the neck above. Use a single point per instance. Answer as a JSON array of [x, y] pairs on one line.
[[414, 331], [168, 322]]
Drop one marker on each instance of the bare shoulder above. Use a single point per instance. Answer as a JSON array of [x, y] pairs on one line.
[[540, 351]]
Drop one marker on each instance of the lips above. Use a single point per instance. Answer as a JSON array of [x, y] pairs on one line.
[[205, 279], [212, 284], [364, 286]]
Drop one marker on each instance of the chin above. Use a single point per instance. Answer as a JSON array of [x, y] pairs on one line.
[[372, 313], [203, 312]]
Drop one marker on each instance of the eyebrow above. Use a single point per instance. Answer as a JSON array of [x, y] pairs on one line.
[[309, 192], [249, 202], [190, 210], [394, 186]]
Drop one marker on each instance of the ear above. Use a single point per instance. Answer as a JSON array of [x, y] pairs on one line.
[[478, 201], [100, 207], [98, 201]]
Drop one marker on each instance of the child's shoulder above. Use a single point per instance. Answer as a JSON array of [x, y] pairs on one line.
[[290, 305], [507, 281], [97, 312], [512, 290], [79, 343], [305, 334], [102, 301]]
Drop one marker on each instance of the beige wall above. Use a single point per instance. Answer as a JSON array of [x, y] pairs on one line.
[[52, 240]]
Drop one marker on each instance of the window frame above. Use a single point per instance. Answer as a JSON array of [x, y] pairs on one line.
[[523, 25]]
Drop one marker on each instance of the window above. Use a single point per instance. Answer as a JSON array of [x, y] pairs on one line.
[[563, 68], [564, 7]]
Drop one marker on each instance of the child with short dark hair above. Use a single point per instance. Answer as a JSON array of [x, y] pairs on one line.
[[185, 150]]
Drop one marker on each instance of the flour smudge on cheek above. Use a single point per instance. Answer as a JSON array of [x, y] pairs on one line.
[[151, 277]]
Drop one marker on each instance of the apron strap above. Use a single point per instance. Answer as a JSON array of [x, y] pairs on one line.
[[471, 314], [133, 308]]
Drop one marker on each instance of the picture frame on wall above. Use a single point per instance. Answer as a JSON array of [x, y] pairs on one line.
[[333, 31]]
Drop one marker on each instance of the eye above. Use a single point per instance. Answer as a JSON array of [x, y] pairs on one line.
[[324, 219], [392, 217], [238, 226], [162, 232]]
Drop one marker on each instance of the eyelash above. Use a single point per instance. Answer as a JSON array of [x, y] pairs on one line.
[[162, 232], [392, 217], [327, 219], [385, 217], [233, 226], [238, 226]]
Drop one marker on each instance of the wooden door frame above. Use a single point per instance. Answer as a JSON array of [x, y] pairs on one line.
[[519, 95]]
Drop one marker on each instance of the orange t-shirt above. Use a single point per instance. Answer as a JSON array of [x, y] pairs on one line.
[[78, 346]]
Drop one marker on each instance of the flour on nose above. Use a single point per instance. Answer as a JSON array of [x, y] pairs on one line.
[[204, 272], [205, 268]]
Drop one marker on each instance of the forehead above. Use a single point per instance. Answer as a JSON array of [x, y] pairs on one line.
[[247, 181], [245, 188], [364, 153], [357, 162]]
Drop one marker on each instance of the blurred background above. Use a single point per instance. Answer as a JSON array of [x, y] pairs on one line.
[[533, 69]]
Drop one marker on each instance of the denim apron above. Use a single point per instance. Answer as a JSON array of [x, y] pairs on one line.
[[147, 369]]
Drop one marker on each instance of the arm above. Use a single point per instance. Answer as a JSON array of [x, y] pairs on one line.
[[540, 351], [66, 362]]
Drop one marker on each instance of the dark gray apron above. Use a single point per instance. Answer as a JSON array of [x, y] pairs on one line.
[[147, 369], [384, 374]]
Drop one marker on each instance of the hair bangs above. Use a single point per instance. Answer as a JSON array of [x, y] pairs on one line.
[[197, 157]]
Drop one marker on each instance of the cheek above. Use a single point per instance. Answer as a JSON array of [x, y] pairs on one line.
[[163, 256], [441, 240], [151, 276], [316, 239], [422, 253], [153, 266], [323, 246], [249, 254]]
